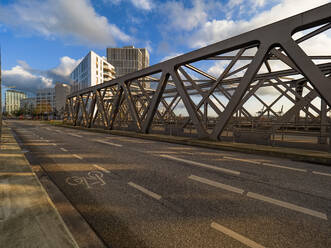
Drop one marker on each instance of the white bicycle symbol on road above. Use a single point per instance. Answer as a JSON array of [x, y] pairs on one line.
[[92, 178]]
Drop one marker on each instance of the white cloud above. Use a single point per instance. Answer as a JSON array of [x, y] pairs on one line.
[[61, 18], [143, 4], [182, 18], [216, 30], [24, 77], [66, 66], [139, 4]]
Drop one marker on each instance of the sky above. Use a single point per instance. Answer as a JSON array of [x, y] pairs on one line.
[[43, 40]]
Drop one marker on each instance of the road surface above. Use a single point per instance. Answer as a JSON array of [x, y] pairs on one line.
[[142, 193]]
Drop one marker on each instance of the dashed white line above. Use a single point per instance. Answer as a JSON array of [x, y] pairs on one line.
[[144, 190], [265, 163], [287, 205], [236, 236], [59, 131], [75, 135], [321, 173], [202, 165], [108, 143], [216, 184], [243, 160], [63, 149], [77, 156], [284, 167], [101, 168]]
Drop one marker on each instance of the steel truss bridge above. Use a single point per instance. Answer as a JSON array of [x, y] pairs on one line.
[[253, 87]]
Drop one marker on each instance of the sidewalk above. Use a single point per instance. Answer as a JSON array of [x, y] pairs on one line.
[[28, 217], [304, 155]]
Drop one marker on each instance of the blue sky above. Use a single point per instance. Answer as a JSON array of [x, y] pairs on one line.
[[43, 40]]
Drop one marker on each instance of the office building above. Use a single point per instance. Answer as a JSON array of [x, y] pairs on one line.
[[93, 70], [128, 59], [13, 100]]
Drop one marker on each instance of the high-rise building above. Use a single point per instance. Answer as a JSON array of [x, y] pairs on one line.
[[93, 70], [13, 100], [128, 59]]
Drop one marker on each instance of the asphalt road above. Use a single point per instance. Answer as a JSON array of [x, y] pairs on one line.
[[142, 193]]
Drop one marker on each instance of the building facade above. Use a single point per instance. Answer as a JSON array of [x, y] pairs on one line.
[[28, 105], [45, 101], [50, 100], [93, 70], [128, 59], [61, 92], [13, 100]]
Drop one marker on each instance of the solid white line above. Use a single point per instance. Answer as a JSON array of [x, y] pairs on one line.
[[77, 156], [321, 173], [76, 135], [202, 165], [235, 236], [288, 205], [216, 184], [146, 191], [108, 143], [266, 164], [63, 149], [101, 168]]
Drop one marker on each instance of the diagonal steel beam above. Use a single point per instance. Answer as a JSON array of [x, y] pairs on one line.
[[253, 68], [190, 106]]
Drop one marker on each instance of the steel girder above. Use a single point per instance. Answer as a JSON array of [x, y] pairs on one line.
[[130, 101]]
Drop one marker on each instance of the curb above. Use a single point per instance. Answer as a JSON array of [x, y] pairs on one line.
[[302, 155]]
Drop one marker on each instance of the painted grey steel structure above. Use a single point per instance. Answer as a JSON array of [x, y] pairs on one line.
[[210, 103]]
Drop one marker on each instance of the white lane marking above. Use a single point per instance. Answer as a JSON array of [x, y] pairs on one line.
[[321, 173], [288, 205], [236, 236], [101, 168], [63, 149], [108, 143], [52, 144], [265, 163], [146, 191], [284, 167], [243, 160], [202, 165], [59, 131], [76, 135], [77, 156], [216, 184]]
